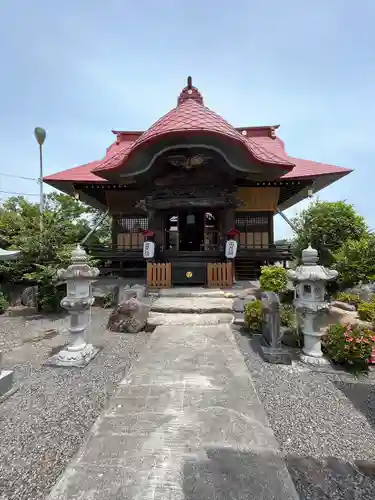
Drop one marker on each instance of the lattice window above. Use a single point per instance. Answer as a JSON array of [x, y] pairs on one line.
[[254, 229], [244, 221], [132, 224]]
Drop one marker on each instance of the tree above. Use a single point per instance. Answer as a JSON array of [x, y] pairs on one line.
[[65, 223], [327, 226], [355, 261]]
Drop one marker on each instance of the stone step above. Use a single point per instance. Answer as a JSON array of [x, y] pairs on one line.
[[169, 319], [194, 305], [191, 292]]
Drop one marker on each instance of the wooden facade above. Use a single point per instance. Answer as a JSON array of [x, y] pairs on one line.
[[190, 224]]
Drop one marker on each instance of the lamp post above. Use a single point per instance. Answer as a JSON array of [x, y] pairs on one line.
[[40, 136]]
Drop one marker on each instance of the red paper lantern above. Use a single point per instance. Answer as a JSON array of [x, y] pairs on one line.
[[148, 233], [233, 233]]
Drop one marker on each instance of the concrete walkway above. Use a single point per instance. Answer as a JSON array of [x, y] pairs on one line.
[[186, 424]]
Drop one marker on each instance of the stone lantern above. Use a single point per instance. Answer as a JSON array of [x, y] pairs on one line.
[[78, 301], [310, 290], [6, 376]]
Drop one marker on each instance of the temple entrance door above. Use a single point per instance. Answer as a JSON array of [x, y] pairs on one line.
[[191, 230]]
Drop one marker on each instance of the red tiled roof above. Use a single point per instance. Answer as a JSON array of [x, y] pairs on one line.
[[82, 173], [308, 168], [190, 115], [302, 169]]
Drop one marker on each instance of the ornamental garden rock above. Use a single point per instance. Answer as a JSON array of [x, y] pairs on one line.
[[130, 316]]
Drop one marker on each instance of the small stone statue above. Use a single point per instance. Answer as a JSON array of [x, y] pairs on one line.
[[271, 346]]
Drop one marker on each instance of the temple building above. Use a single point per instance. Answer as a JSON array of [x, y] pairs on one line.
[[189, 181]]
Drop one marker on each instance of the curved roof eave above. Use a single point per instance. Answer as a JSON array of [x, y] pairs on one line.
[[255, 152]]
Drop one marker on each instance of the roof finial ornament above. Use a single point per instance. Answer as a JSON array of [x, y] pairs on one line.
[[190, 92]]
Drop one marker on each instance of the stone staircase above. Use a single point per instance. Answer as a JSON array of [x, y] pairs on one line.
[[190, 306]]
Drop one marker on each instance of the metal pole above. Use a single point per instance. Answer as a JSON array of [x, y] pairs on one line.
[[40, 136], [41, 194], [289, 222], [92, 231]]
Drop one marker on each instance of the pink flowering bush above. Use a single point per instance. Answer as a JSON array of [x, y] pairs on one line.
[[350, 345]]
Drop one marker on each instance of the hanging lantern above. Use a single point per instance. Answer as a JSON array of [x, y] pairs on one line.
[[233, 233]]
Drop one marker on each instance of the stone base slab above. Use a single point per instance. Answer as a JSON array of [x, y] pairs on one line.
[[73, 359], [315, 361], [274, 355], [6, 384]]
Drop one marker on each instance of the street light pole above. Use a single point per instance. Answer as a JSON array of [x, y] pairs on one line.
[[40, 136]]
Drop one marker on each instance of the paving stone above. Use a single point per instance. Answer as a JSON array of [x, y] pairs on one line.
[[368, 468], [238, 305], [208, 436], [160, 319], [191, 292]]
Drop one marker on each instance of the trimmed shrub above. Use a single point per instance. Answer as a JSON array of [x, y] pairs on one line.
[[366, 311], [253, 316], [4, 304], [288, 316], [273, 279]]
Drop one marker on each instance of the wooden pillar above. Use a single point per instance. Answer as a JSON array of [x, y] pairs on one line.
[[229, 219], [271, 236], [158, 229], [114, 231]]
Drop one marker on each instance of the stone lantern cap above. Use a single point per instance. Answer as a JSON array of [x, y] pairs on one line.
[[310, 256], [78, 269], [79, 256], [310, 270]]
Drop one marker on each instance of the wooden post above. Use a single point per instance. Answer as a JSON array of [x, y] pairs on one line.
[[114, 231], [271, 228]]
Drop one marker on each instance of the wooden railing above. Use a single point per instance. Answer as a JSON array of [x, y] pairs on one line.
[[220, 275], [268, 246], [159, 275]]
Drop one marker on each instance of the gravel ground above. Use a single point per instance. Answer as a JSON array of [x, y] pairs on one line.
[[315, 416], [43, 424]]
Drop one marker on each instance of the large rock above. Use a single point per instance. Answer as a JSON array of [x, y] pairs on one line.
[[129, 317], [336, 315], [126, 293], [29, 297], [365, 292], [343, 305]]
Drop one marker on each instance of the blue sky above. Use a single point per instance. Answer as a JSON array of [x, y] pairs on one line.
[[80, 69]]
